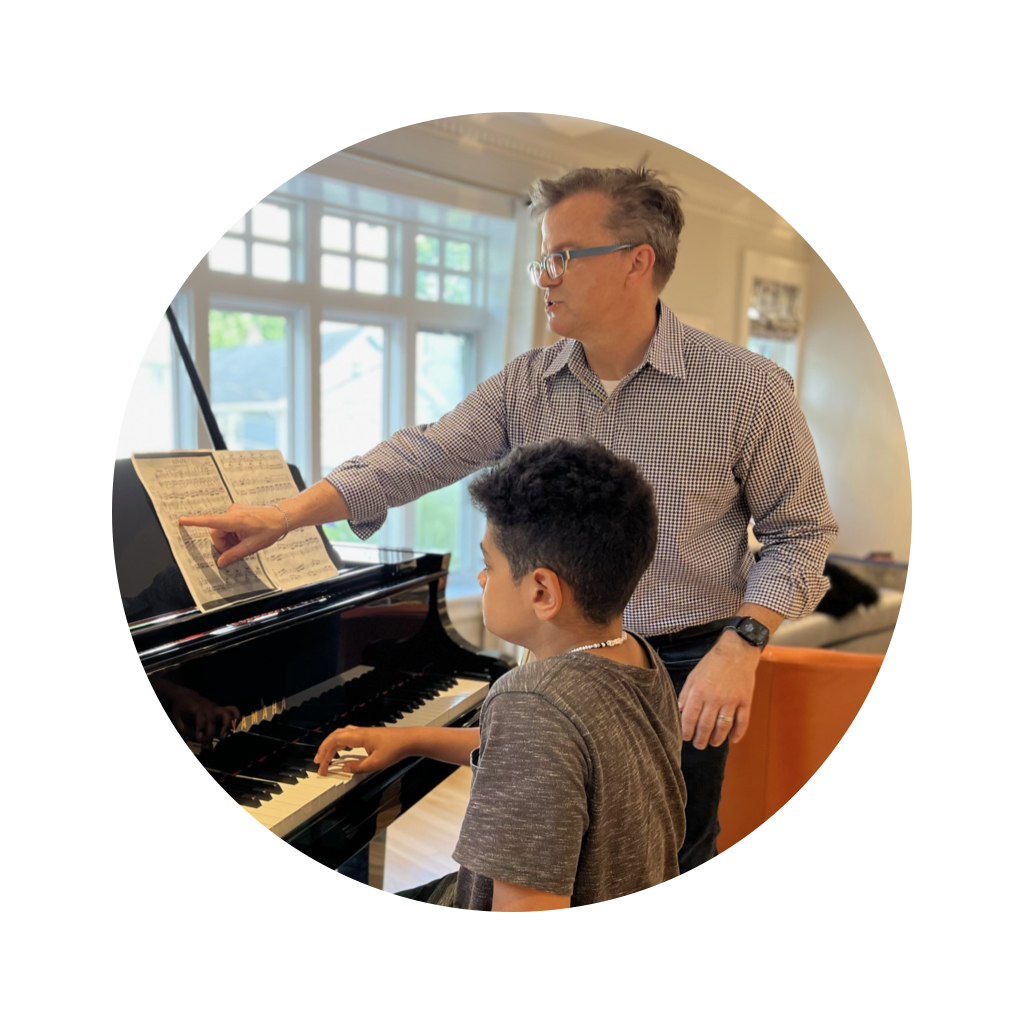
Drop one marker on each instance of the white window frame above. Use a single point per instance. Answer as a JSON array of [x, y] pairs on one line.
[[306, 303]]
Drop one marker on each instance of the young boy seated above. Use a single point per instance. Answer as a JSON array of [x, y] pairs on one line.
[[577, 794]]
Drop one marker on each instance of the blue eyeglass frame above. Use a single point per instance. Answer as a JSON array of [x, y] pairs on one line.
[[535, 267]]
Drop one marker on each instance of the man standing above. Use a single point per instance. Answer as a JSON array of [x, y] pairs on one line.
[[715, 429]]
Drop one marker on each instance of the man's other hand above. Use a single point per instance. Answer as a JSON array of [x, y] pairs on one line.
[[715, 700]]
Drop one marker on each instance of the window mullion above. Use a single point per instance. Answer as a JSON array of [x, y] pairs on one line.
[[303, 352], [200, 437]]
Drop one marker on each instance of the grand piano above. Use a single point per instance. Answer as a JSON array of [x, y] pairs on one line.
[[372, 645]]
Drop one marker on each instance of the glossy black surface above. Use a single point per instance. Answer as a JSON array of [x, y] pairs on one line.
[[384, 609]]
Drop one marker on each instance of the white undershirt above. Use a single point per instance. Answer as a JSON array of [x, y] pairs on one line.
[[610, 385]]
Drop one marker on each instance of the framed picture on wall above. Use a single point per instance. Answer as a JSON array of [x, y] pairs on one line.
[[771, 316]]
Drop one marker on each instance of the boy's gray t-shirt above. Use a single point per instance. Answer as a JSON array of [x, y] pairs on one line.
[[577, 787]]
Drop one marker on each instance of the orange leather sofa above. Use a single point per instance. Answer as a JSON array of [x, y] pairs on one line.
[[804, 701]]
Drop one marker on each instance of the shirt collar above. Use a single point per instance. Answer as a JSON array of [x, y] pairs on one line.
[[665, 352]]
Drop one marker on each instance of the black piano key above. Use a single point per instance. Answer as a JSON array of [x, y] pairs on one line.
[[245, 791], [282, 777]]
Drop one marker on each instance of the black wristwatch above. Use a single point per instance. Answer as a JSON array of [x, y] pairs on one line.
[[755, 633]]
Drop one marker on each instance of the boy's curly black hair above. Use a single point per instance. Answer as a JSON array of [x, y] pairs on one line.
[[577, 509]]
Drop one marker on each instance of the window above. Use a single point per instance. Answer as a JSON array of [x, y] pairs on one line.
[[443, 376], [771, 317], [405, 309], [249, 378], [452, 279], [356, 254], [262, 244]]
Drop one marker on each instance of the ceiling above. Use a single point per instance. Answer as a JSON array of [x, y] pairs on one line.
[[546, 144]]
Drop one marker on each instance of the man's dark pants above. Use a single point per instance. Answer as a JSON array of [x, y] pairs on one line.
[[703, 770]]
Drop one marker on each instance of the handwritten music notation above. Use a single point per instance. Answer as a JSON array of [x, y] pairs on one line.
[[198, 483]]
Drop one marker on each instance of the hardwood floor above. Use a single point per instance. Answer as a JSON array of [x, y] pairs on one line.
[[419, 844]]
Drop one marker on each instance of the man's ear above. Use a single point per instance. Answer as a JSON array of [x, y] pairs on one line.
[[641, 266], [547, 593]]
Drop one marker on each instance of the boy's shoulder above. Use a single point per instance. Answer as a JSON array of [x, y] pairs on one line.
[[568, 678]]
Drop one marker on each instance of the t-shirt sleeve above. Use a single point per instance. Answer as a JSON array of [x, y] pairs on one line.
[[528, 810]]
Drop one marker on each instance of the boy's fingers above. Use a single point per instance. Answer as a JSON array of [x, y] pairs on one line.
[[351, 761]]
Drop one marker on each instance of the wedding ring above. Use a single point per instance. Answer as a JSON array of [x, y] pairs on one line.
[[725, 718]]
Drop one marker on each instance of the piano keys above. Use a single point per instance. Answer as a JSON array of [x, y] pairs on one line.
[[271, 772]]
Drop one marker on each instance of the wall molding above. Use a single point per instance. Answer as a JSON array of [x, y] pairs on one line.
[[478, 152]]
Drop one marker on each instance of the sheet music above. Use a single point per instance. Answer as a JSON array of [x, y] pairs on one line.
[[258, 478], [205, 483], [189, 484]]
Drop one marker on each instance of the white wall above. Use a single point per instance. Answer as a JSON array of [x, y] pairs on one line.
[[704, 290], [851, 410]]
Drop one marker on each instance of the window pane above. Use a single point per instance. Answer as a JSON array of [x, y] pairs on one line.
[[428, 250], [228, 255], [439, 516], [458, 289], [271, 261], [371, 277], [371, 240], [272, 221], [428, 285], [335, 271], [148, 424], [335, 233], [458, 255], [238, 229], [249, 378], [352, 389], [440, 373]]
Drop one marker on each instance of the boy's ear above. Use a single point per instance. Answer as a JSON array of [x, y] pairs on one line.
[[547, 593]]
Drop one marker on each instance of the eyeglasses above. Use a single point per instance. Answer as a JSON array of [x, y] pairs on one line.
[[554, 263]]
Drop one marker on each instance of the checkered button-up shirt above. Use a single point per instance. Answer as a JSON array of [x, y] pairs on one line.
[[716, 430]]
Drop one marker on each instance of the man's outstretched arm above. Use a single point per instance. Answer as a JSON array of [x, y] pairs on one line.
[[244, 529]]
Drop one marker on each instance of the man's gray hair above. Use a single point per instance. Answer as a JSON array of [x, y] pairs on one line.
[[643, 208]]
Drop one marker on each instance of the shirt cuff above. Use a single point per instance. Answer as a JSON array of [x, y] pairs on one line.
[[358, 485], [792, 595]]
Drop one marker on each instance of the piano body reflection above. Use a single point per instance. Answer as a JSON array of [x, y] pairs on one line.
[[370, 646]]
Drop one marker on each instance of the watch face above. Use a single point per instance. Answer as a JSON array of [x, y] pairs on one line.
[[752, 631]]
